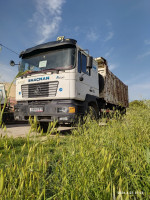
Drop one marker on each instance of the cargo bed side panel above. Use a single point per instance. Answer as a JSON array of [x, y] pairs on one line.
[[115, 92]]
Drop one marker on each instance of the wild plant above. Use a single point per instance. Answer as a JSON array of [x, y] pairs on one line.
[[94, 162]]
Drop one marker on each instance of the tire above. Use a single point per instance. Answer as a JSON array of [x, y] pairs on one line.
[[44, 126], [101, 83], [123, 111], [93, 112]]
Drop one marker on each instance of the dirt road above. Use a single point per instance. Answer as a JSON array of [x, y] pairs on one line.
[[22, 130], [15, 130]]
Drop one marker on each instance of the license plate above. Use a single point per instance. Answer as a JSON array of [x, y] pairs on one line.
[[40, 109]]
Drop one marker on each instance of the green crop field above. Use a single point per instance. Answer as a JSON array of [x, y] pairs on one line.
[[92, 163]]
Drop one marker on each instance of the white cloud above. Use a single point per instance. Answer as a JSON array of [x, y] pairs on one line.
[[109, 36], [47, 18], [147, 42], [77, 28], [92, 35], [144, 55], [108, 53], [137, 78], [139, 91], [110, 32], [139, 86], [108, 23], [112, 67], [53, 6]]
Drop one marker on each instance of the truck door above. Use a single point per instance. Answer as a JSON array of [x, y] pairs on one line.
[[85, 83]]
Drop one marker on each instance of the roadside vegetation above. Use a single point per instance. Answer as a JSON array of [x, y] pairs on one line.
[[93, 162]]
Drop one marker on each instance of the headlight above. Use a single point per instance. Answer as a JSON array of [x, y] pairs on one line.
[[66, 110], [62, 110]]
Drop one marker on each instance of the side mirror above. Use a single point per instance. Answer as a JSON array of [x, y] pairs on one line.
[[89, 62], [12, 63]]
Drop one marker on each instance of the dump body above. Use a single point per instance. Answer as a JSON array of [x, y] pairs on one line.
[[115, 92]]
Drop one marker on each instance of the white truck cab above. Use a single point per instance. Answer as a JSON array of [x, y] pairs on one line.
[[58, 81]]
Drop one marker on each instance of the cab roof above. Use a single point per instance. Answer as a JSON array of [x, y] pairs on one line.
[[48, 46]]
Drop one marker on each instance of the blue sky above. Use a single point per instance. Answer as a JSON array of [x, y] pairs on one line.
[[118, 30]]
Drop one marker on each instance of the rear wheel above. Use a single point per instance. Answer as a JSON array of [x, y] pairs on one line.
[[101, 83], [93, 112], [123, 111]]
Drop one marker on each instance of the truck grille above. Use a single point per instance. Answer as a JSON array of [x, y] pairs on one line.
[[48, 89]]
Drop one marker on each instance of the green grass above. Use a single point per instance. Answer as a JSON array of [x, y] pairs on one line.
[[94, 162]]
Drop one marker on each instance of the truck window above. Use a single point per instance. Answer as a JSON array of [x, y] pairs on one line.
[[79, 61], [82, 61]]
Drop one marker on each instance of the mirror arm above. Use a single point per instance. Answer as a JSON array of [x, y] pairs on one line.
[[12, 63]]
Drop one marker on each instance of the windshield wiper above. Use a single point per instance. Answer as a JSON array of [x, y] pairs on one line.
[[29, 72], [51, 69], [57, 69]]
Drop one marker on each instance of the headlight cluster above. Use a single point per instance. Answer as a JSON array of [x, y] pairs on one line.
[[62, 110], [66, 110]]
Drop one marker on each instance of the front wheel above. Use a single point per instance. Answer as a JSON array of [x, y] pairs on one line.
[[44, 126]]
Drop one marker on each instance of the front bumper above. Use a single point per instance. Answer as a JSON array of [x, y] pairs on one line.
[[63, 111]]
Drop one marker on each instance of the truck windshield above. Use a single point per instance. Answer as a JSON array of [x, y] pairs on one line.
[[57, 59]]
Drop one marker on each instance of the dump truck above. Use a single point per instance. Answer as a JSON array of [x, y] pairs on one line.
[[60, 81], [6, 103]]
